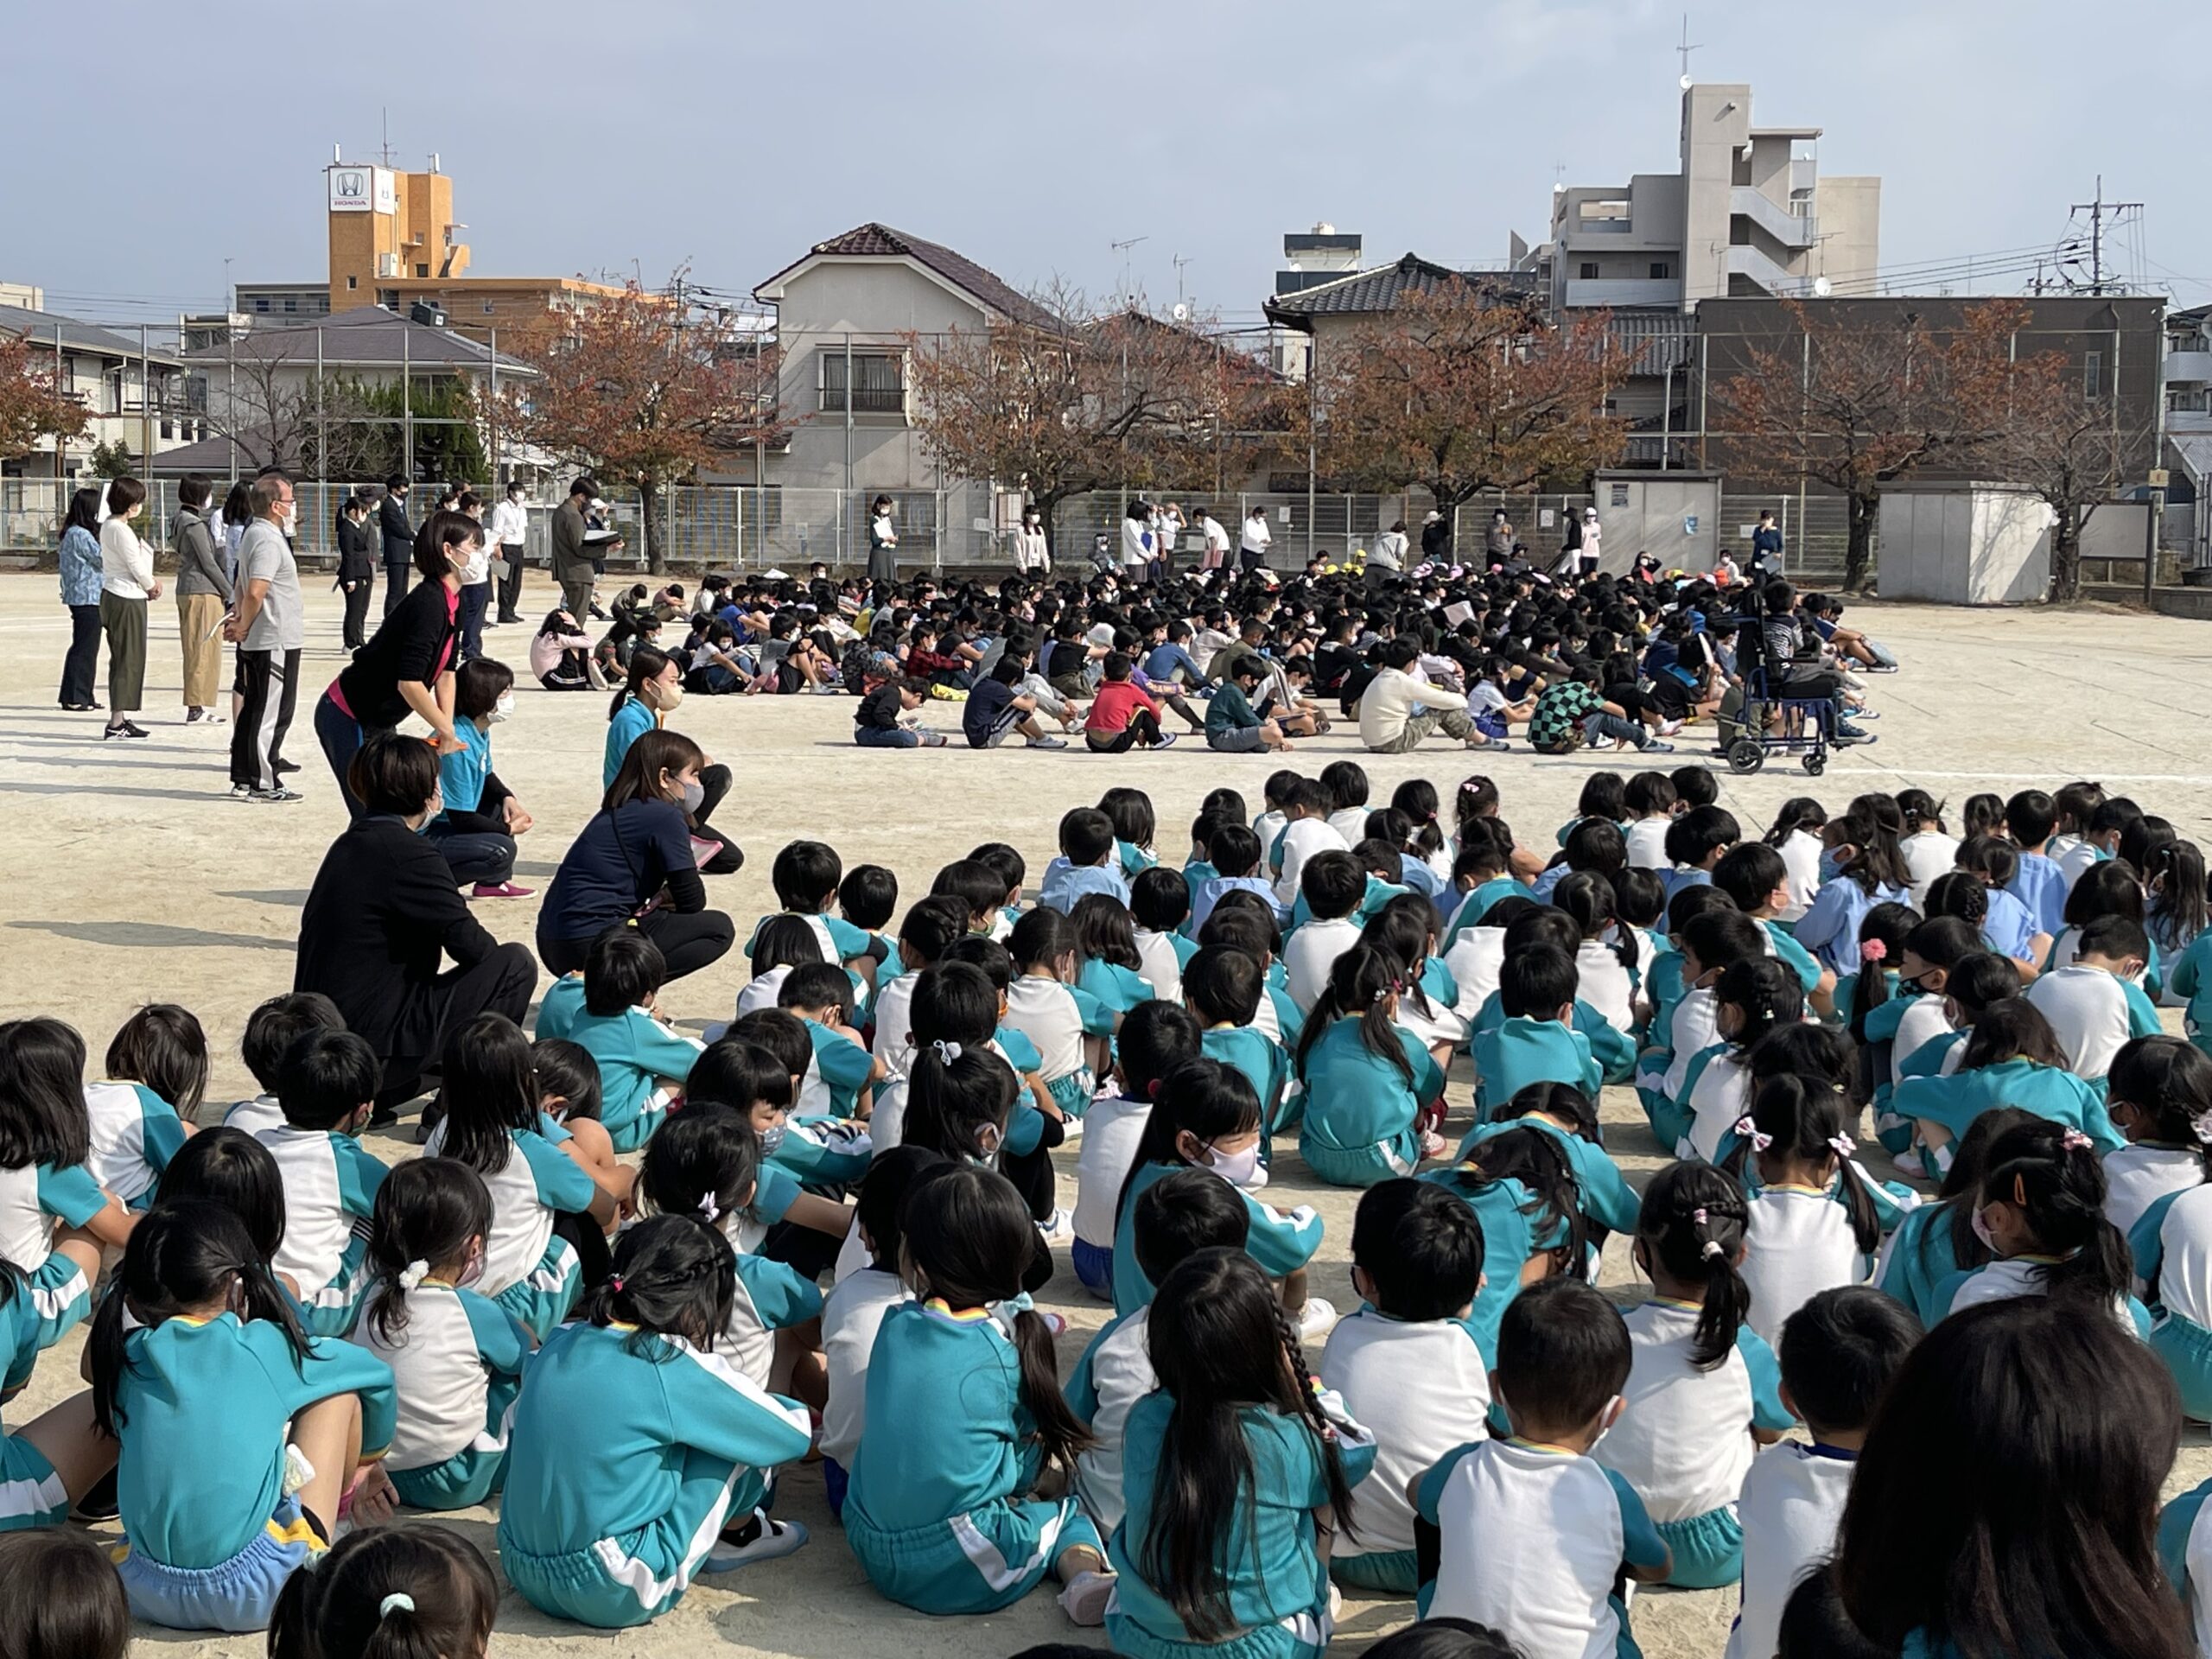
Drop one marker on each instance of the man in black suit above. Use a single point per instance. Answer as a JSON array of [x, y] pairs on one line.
[[399, 541]]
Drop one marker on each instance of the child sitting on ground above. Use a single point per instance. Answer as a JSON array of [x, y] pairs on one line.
[[642, 1062], [327, 1088], [1156, 1038], [1406, 1363], [1530, 1535], [1536, 1041], [1366, 1077]]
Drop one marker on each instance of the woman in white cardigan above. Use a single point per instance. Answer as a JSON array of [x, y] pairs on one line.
[[127, 584]]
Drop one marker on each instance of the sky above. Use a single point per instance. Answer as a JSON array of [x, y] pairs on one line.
[[586, 139]]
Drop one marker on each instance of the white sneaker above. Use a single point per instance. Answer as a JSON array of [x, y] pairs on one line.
[[777, 1540], [1087, 1598], [1316, 1319], [1057, 1228]]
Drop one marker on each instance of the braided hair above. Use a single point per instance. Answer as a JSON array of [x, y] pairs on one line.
[[1692, 1226]]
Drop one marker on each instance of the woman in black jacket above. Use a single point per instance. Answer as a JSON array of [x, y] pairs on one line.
[[384, 915], [357, 565], [638, 859], [407, 667]]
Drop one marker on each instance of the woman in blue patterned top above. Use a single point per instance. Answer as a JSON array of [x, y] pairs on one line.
[[80, 592]]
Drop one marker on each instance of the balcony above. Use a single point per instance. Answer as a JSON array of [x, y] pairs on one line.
[[1623, 291], [1791, 230], [2189, 368], [867, 400]]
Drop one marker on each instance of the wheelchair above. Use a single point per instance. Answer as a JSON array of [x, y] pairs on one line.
[[1766, 724]]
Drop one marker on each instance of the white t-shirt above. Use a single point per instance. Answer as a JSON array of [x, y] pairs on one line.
[[2185, 1262], [1256, 538], [436, 1365], [1791, 1509], [1161, 968], [1307, 956], [1692, 1033], [893, 1040], [1420, 1388], [1216, 543], [1111, 1130], [2003, 1279], [1719, 1099], [1647, 841], [1475, 960], [2137, 1177], [1801, 861], [1351, 822], [851, 1317], [1683, 1440], [1605, 985], [2088, 1010], [1122, 1374], [1922, 1023], [1927, 855], [1301, 839], [1799, 1244]]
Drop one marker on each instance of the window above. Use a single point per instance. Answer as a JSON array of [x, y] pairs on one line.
[[878, 386], [422, 270], [292, 304], [1589, 270], [1660, 271], [488, 308], [2093, 368], [352, 283], [260, 304], [388, 297]]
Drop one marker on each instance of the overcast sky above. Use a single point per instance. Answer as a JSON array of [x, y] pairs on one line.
[[589, 139]]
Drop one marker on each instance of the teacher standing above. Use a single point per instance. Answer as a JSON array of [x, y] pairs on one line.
[[80, 556], [384, 915], [634, 862], [408, 666], [203, 595], [127, 584]]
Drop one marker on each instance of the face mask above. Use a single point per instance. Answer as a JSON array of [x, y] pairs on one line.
[[473, 1272], [291, 516], [1239, 1169], [771, 1137], [666, 694], [437, 805], [1981, 1229], [504, 708], [1831, 864], [694, 796]]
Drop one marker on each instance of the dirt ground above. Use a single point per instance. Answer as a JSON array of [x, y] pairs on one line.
[[138, 879]]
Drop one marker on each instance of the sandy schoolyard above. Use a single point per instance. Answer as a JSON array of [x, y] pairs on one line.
[[134, 877]]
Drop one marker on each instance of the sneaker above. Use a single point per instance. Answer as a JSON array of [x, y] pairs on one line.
[[191, 714], [278, 796], [933, 740], [1911, 1163], [763, 1538], [1047, 743], [1492, 746], [1086, 1599], [1848, 733], [500, 890], [1865, 714], [1167, 740], [1653, 746], [125, 729], [241, 791], [1431, 1144], [1878, 667], [1316, 1319], [1669, 727], [284, 766], [1057, 1228]]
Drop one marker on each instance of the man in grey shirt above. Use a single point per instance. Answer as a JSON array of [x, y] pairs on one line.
[[268, 626]]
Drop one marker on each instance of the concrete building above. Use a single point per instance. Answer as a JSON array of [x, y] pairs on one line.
[[1745, 212], [1310, 259], [133, 391]]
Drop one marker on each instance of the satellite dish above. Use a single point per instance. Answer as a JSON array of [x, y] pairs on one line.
[[1822, 288], [1182, 312], [1687, 83], [1559, 189]]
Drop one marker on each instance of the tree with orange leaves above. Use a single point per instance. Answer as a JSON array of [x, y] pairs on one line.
[[1460, 393], [641, 389], [1082, 402], [31, 406], [1858, 405]]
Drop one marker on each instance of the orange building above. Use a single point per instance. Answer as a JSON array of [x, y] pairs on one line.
[[394, 241]]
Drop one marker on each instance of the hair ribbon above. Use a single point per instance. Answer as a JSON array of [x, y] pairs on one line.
[[413, 1275], [1842, 1145], [1750, 1131], [948, 1052], [1873, 950], [709, 1209], [2075, 1141]]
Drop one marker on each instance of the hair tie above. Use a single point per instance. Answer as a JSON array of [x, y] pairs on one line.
[[1843, 1146], [2075, 1141], [397, 1602], [1698, 1217], [413, 1275], [2201, 1124], [945, 1051], [1873, 950], [615, 1283], [709, 1209], [1152, 1092], [1750, 1131], [1711, 1249]]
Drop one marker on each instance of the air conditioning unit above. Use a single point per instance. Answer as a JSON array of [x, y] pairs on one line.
[[387, 264], [422, 311]]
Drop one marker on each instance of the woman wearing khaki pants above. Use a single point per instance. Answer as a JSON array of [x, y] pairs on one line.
[[203, 598]]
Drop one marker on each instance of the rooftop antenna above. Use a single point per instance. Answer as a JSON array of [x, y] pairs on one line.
[[1181, 260], [387, 136], [2099, 210], [1686, 49], [1123, 247]]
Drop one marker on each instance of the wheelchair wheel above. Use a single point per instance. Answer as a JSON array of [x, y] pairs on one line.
[[1746, 755], [1815, 764]]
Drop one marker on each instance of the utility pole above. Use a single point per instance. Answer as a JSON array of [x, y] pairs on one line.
[[2098, 211], [1181, 260], [1122, 248]]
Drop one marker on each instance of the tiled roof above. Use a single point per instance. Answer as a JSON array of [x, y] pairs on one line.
[[367, 336], [41, 325], [1367, 292], [881, 241]]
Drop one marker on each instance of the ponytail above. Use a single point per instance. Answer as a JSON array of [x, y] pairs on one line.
[[425, 1214], [1535, 1158], [411, 1591], [646, 663], [1694, 1222], [2050, 1173], [1591, 905], [1802, 1119], [1882, 938], [1359, 983]]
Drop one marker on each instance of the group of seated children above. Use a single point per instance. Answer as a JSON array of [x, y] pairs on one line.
[[597, 1297]]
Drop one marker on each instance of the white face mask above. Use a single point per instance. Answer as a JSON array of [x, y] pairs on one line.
[[694, 796], [505, 707], [1239, 1169]]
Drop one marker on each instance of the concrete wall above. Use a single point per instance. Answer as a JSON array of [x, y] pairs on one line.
[[876, 302], [1716, 119], [1850, 213]]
